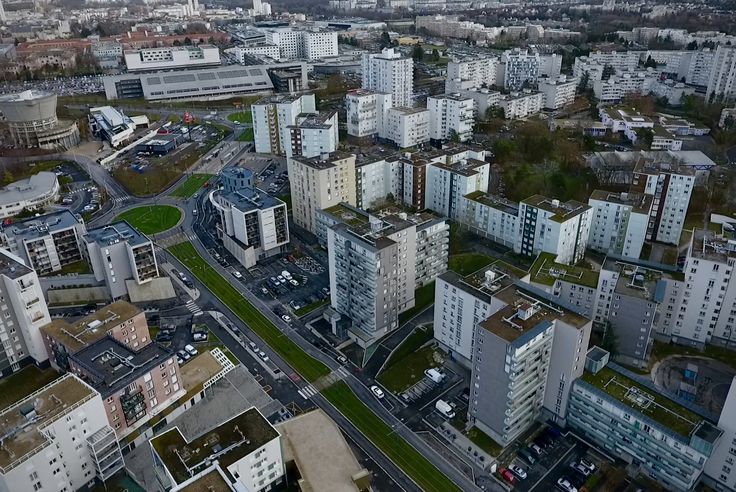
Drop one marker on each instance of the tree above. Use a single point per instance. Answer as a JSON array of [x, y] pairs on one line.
[[435, 55], [503, 148], [584, 79], [187, 41], [692, 46], [609, 342], [385, 41], [645, 136], [608, 70], [495, 112], [454, 136], [650, 62], [176, 42], [418, 52], [8, 177], [728, 122]]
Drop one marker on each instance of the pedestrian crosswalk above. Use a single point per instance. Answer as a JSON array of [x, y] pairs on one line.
[[120, 199], [308, 392], [193, 308], [311, 390]]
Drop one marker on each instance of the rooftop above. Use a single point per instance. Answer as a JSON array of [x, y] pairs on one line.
[[211, 481], [21, 423], [114, 233], [27, 95], [463, 167], [36, 227], [89, 329], [708, 246], [236, 172], [111, 366], [486, 282], [11, 266], [324, 161], [318, 121], [228, 443], [29, 189], [453, 97], [408, 111], [494, 201], [247, 199], [561, 211], [314, 442], [639, 202], [525, 315], [19, 385], [278, 99], [348, 214], [546, 271], [661, 162], [201, 368], [637, 280], [644, 400]]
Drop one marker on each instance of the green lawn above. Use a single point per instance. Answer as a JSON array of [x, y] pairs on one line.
[[24, 382], [419, 337], [242, 117], [246, 135], [484, 441], [191, 185], [286, 198], [382, 436], [151, 219], [423, 298], [406, 372], [310, 307], [340, 395], [467, 263], [310, 369], [660, 350], [80, 266]]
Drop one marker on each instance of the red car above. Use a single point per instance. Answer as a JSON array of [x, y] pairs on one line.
[[507, 475]]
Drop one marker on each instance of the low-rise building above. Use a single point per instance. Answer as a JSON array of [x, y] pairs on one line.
[[246, 449], [619, 86], [628, 120], [32, 193], [253, 225], [619, 222], [47, 243], [172, 57], [635, 421], [318, 183], [57, 438], [119, 254], [313, 134], [111, 125]]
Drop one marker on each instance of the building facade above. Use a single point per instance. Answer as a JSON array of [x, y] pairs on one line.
[[272, 117], [171, 57], [391, 73], [313, 135], [406, 127], [450, 117], [31, 119], [366, 112], [619, 222]]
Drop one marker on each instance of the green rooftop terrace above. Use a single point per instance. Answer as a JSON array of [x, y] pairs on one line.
[[24, 382], [644, 401], [545, 271], [347, 215]]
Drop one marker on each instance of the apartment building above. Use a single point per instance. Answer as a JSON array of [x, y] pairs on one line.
[[693, 66], [463, 302], [57, 438], [722, 81], [313, 134], [243, 53], [492, 217], [168, 57], [407, 127], [521, 104], [483, 100], [550, 65], [375, 265], [554, 227], [619, 222], [24, 313], [366, 112], [719, 470], [591, 71], [448, 183], [520, 69], [121, 256], [320, 182], [272, 117], [671, 90], [245, 450], [526, 356], [471, 73], [47, 243], [253, 224], [671, 185], [297, 44], [617, 87], [630, 418], [233, 178], [621, 61], [37, 192], [391, 73], [450, 117], [557, 93]]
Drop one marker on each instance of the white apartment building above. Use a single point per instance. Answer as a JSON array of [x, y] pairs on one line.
[[170, 57], [268, 50], [483, 99], [619, 222], [671, 90], [719, 466], [521, 104], [272, 117], [550, 65], [492, 217], [33, 193], [722, 82], [25, 312], [471, 73], [450, 116], [693, 66], [406, 127], [619, 86], [47, 243], [57, 438], [313, 134], [376, 263], [520, 69], [366, 112], [525, 357], [591, 70], [296, 44], [448, 183], [621, 61], [120, 254], [253, 224], [248, 451], [320, 182], [463, 302], [671, 185], [391, 73], [557, 93]]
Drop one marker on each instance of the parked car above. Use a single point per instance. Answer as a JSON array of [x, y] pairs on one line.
[[377, 391], [536, 449], [564, 484], [518, 471], [237, 275], [263, 356], [179, 360], [588, 465], [184, 355], [342, 359], [507, 475], [527, 456], [286, 318], [190, 350], [580, 469], [253, 346], [199, 336]]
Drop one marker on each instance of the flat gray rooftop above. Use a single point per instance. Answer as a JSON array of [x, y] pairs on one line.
[[35, 227], [114, 233]]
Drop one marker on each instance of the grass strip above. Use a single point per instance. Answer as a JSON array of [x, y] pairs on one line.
[[191, 185]]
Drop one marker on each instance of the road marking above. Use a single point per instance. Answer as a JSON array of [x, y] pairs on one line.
[[308, 392], [193, 308]]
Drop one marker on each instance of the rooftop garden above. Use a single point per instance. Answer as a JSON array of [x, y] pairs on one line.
[[17, 386], [545, 271]]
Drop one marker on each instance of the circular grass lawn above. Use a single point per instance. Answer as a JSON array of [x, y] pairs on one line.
[[152, 219]]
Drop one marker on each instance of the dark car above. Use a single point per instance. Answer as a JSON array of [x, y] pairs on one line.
[[527, 456]]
